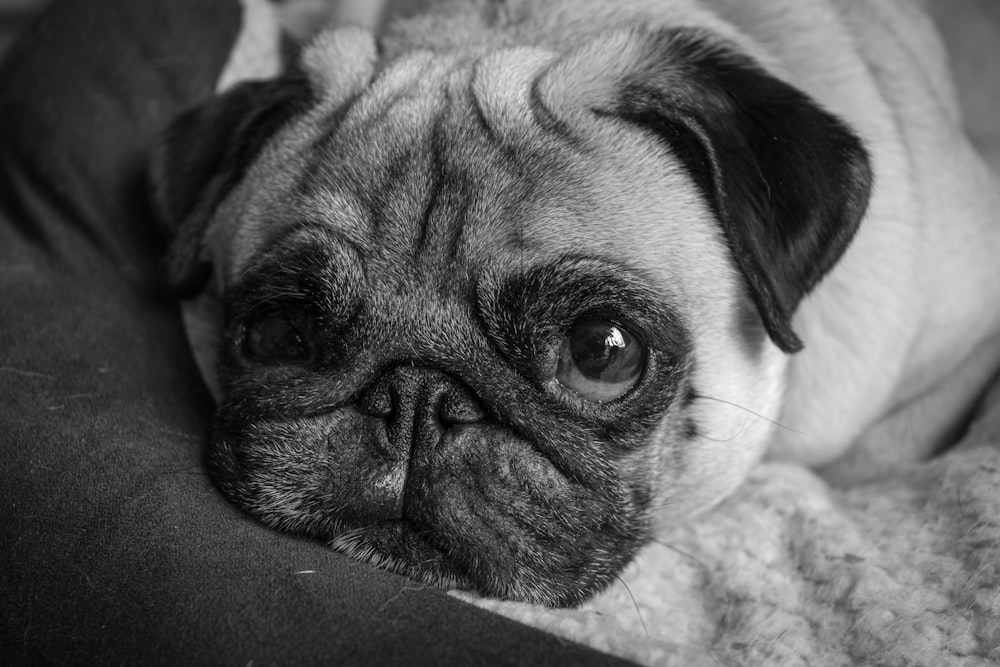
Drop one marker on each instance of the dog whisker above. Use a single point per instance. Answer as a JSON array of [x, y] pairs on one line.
[[701, 564], [738, 433], [638, 612], [749, 411]]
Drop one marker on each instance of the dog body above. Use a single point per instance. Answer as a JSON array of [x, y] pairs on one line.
[[532, 276], [905, 336]]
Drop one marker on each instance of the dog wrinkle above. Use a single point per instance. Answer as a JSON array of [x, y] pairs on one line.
[[469, 174], [502, 91], [446, 195]]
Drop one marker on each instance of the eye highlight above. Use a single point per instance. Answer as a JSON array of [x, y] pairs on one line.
[[276, 337], [600, 360]]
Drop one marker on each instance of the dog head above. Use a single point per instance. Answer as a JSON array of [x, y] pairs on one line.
[[488, 317]]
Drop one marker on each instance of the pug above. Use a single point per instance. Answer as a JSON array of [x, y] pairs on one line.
[[509, 284]]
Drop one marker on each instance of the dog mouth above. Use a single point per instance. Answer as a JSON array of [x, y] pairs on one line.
[[480, 510], [555, 550]]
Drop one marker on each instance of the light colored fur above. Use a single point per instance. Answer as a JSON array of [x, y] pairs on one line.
[[902, 336]]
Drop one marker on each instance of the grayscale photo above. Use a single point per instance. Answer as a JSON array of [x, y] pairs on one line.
[[500, 332]]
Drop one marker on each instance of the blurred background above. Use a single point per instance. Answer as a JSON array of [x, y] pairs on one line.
[[971, 30], [13, 15]]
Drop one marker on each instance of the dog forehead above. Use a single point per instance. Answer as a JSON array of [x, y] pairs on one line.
[[428, 159], [414, 89], [445, 160]]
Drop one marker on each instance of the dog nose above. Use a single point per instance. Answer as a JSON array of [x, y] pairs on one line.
[[411, 394], [419, 407]]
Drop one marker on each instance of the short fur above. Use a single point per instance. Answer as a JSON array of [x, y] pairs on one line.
[[435, 215]]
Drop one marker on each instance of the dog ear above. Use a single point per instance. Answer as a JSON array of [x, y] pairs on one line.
[[787, 180], [202, 155]]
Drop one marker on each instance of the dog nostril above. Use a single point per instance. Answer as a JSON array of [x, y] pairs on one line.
[[459, 408], [405, 391], [377, 401]]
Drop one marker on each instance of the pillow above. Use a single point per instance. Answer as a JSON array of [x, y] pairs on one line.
[[115, 545]]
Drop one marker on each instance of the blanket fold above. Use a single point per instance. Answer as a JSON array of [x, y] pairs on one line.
[[789, 571]]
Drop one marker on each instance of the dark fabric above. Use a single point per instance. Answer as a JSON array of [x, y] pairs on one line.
[[114, 546]]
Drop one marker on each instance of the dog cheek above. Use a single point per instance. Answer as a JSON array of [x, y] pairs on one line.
[[519, 526]]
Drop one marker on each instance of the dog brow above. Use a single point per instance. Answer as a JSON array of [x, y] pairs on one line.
[[501, 91]]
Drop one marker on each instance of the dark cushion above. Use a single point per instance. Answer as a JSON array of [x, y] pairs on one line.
[[115, 548]]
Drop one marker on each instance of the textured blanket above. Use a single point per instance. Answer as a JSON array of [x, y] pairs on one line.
[[790, 571]]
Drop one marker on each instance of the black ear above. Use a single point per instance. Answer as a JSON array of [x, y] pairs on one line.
[[202, 155], [788, 181]]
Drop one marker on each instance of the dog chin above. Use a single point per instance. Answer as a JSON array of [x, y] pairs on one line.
[[548, 566], [399, 547], [403, 548]]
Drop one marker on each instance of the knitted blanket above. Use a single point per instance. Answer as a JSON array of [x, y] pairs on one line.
[[789, 571]]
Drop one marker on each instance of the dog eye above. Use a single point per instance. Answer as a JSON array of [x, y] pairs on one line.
[[600, 360], [276, 337]]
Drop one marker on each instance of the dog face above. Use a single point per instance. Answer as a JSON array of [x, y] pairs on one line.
[[487, 318]]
